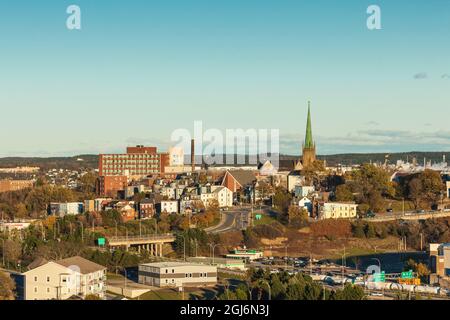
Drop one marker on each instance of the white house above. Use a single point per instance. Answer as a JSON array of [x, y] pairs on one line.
[[267, 169], [224, 196], [62, 279], [294, 179], [337, 210], [221, 194], [306, 204], [169, 206]]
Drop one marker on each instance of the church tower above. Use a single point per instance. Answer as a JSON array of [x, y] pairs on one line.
[[309, 147]]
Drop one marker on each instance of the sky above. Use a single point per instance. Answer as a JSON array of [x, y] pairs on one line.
[[140, 69]]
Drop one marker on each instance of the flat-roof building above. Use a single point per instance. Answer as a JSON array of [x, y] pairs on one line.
[[177, 274], [139, 161]]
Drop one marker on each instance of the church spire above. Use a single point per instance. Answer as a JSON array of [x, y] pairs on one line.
[[309, 138]]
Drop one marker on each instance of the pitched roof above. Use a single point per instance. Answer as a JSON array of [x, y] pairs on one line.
[[243, 177], [85, 265], [37, 263]]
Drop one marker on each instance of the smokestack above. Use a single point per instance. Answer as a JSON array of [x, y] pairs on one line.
[[193, 154]]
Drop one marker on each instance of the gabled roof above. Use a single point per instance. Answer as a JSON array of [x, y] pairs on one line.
[[37, 263], [83, 264], [243, 177]]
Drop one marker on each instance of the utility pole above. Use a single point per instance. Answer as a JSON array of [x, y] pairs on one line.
[[285, 254], [421, 241]]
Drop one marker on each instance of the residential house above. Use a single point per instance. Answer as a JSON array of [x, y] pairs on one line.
[[61, 280], [337, 210]]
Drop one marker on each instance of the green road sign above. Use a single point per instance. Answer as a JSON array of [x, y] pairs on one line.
[[258, 217], [379, 277], [101, 242], [407, 274]]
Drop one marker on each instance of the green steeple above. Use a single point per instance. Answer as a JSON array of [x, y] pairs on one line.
[[309, 138]]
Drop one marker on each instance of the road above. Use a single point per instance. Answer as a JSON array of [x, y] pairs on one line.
[[227, 223], [236, 219], [409, 215]]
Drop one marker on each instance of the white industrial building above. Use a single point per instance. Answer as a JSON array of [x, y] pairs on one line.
[[177, 274]]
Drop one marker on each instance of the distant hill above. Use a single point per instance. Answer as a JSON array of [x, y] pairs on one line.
[[91, 161], [72, 163]]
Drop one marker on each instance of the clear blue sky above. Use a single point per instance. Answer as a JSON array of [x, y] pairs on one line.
[[140, 69]]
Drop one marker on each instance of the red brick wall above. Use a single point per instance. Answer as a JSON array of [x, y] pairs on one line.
[[110, 185]]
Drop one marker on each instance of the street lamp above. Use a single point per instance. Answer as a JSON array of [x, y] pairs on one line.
[[286, 257], [3, 254], [379, 262], [212, 248]]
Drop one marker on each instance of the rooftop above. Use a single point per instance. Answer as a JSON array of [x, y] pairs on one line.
[[85, 265], [171, 264]]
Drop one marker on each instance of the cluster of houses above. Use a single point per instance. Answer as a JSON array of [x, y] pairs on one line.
[[190, 193], [181, 195]]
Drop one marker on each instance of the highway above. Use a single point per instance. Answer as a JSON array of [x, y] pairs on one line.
[[235, 219], [227, 223], [409, 215]]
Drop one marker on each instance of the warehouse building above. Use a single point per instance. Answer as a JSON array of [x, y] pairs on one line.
[[177, 274]]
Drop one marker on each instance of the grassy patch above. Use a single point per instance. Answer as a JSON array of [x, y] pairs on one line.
[[161, 295], [265, 219]]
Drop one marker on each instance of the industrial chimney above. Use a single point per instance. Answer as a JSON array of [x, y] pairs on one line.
[[193, 154]]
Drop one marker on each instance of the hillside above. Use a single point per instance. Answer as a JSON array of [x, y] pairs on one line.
[[91, 161]]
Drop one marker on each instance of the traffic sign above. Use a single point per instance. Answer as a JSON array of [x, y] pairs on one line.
[[407, 274], [101, 242], [379, 277], [258, 217]]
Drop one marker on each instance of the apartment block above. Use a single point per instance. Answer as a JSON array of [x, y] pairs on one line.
[[110, 186], [61, 280], [138, 161]]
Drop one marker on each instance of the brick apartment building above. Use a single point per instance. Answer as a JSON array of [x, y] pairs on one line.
[[109, 186], [139, 161], [15, 185]]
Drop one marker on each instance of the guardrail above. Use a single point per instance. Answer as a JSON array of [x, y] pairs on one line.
[[410, 216], [165, 236]]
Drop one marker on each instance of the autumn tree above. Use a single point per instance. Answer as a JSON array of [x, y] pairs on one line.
[[343, 193], [7, 287], [297, 217], [415, 191]]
